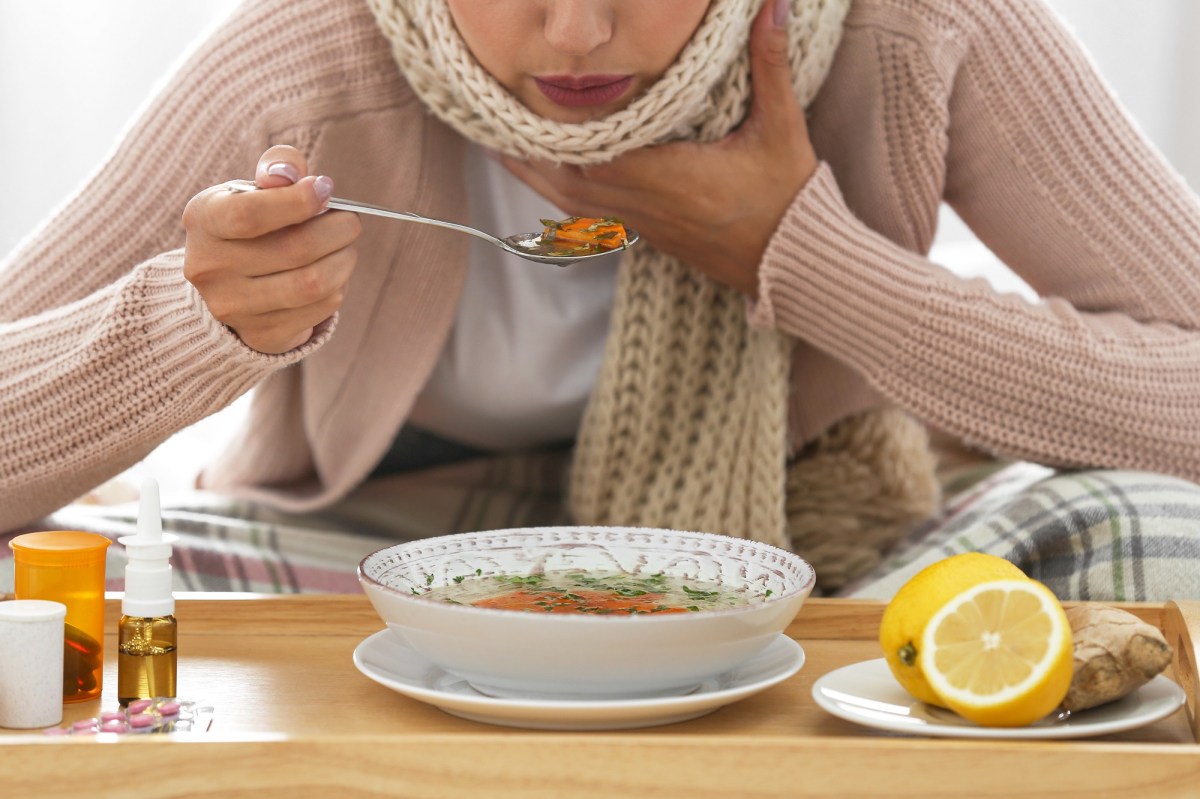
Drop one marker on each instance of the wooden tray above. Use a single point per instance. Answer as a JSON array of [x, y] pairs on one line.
[[295, 718]]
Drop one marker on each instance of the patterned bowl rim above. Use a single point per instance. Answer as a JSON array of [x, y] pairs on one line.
[[801, 589]]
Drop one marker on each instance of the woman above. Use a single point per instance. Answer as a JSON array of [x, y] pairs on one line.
[[813, 230]]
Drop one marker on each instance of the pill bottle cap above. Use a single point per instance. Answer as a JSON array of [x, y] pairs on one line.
[[148, 573], [59, 548]]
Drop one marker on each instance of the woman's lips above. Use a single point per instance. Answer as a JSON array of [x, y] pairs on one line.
[[583, 90]]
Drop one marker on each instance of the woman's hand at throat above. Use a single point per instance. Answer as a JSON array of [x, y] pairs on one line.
[[715, 206]]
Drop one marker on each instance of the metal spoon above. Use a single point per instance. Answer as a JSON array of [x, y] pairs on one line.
[[524, 245]]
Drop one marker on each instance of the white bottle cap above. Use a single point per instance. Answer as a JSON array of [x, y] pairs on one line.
[[148, 573]]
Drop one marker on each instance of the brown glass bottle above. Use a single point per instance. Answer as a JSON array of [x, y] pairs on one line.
[[145, 657]]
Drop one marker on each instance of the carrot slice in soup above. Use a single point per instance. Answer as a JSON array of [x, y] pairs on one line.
[[605, 233], [579, 601]]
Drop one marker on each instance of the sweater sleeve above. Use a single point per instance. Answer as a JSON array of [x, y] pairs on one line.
[[1042, 163], [105, 348]]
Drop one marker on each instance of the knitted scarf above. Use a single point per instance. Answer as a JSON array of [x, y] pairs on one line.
[[687, 425]]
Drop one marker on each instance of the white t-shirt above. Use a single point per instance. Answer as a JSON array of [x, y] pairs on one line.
[[528, 338]]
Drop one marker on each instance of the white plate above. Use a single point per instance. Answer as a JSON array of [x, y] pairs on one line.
[[867, 693], [389, 661]]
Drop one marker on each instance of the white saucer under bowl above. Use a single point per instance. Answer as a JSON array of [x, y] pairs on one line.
[[867, 693], [387, 660]]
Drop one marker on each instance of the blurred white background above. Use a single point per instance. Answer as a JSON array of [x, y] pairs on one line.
[[73, 74]]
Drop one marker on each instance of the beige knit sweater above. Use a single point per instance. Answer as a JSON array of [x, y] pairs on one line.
[[105, 349]]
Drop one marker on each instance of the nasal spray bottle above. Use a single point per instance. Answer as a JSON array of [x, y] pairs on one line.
[[147, 631]]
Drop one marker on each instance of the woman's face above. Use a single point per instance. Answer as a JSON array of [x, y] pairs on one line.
[[576, 60]]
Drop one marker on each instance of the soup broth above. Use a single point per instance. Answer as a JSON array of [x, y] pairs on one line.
[[592, 593]]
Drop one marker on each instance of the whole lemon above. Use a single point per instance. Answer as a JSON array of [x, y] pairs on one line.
[[910, 610]]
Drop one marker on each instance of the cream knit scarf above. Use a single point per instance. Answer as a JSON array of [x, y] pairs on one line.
[[687, 426]]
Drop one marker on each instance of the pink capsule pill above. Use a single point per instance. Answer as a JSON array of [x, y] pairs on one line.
[[115, 725], [140, 721], [170, 708], [112, 715], [139, 706], [84, 724]]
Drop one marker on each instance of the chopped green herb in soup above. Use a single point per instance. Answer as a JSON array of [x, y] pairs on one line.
[[587, 592]]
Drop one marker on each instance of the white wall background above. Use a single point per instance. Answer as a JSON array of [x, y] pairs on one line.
[[1144, 48], [73, 73]]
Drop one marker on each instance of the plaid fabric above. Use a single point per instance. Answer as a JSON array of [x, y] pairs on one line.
[[1103, 535], [230, 545], [1110, 536]]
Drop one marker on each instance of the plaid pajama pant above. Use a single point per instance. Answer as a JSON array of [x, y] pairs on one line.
[[1095, 535]]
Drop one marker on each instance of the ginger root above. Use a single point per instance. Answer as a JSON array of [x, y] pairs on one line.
[[1115, 654]]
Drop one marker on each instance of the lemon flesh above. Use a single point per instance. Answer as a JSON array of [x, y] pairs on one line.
[[925, 593], [999, 653]]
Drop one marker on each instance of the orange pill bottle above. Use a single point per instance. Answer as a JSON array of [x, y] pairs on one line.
[[67, 566]]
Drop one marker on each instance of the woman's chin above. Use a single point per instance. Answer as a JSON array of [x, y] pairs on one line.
[[546, 108], [573, 115]]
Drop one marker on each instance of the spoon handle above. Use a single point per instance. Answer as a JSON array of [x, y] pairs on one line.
[[408, 216], [339, 204]]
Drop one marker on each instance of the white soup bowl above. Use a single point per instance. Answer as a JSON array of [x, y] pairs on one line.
[[508, 653]]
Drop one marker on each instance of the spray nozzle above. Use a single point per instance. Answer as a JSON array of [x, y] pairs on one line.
[[149, 522], [148, 573], [149, 543]]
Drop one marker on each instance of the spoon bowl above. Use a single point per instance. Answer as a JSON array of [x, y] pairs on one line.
[[529, 246]]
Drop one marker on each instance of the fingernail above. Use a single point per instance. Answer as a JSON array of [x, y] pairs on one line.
[[323, 186], [783, 9], [282, 169]]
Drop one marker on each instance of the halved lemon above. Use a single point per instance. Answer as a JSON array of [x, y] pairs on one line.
[[999, 653], [909, 611]]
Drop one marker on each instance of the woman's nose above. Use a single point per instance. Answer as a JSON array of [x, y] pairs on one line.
[[577, 27]]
